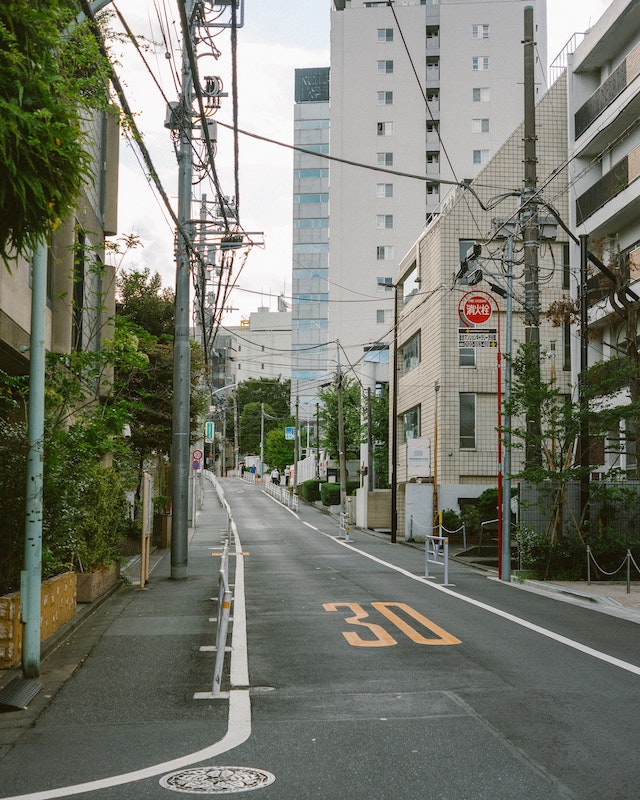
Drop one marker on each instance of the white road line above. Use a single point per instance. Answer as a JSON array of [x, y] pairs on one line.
[[282, 505], [239, 719], [583, 648]]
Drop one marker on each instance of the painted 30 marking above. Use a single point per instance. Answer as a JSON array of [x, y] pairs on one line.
[[381, 637]]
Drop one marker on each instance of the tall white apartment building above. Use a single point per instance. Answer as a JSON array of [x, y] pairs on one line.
[[310, 257], [604, 201], [421, 92]]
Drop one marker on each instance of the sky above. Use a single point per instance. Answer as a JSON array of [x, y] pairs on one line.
[[278, 37]]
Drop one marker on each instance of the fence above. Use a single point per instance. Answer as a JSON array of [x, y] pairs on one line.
[[282, 495], [626, 563], [440, 528]]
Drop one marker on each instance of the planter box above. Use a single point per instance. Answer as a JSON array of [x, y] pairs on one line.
[[91, 585], [57, 606]]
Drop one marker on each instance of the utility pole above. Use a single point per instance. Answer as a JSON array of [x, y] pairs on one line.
[[342, 460], [506, 421], [530, 233], [296, 444], [261, 439], [181, 347], [583, 401]]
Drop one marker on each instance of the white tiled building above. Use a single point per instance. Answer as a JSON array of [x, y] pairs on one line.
[[427, 89], [447, 395], [604, 148]]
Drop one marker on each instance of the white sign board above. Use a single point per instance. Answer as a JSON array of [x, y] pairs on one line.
[[419, 458]]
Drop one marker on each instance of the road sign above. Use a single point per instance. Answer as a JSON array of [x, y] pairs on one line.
[[474, 309], [209, 430], [290, 433], [196, 463], [197, 455], [477, 337]]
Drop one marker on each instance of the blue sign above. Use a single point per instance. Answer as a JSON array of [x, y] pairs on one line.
[[290, 433]]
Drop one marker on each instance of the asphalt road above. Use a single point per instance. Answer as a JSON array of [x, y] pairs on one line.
[[368, 681]]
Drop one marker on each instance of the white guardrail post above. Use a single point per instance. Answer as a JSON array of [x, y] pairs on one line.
[[433, 546]]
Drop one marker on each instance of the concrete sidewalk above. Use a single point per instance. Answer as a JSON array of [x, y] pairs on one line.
[[139, 650]]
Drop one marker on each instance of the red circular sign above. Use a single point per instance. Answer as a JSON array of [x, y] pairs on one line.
[[475, 309]]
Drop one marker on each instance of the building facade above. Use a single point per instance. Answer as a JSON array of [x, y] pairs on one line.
[[449, 370], [310, 256], [604, 191], [424, 93]]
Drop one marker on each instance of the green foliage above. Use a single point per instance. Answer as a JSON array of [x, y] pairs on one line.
[[278, 451], [353, 428], [49, 73], [310, 490], [330, 494], [451, 521], [380, 436]]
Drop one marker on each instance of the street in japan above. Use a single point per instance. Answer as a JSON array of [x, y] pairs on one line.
[[363, 679]]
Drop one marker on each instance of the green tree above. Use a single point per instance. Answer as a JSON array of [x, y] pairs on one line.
[[51, 74], [278, 451], [353, 429], [380, 437]]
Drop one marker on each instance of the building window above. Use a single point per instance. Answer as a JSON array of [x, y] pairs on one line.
[[432, 189], [566, 266], [480, 125], [384, 316], [384, 190], [310, 124], [433, 157], [467, 421], [480, 156], [384, 159], [384, 221], [384, 252], [480, 63], [302, 174], [385, 128], [311, 198], [385, 284], [385, 34], [411, 424], [385, 67], [479, 31], [410, 353], [482, 94], [385, 98]]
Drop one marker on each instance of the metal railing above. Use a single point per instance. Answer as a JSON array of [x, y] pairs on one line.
[[436, 551], [442, 531], [282, 495], [626, 565]]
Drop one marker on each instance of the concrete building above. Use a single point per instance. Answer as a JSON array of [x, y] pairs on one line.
[[421, 92], [604, 198], [260, 347], [447, 389], [310, 257]]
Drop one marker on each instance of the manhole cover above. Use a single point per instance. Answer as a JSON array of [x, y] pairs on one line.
[[217, 780]]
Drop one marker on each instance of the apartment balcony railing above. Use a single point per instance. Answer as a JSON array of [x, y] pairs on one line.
[[612, 183], [608, 91]]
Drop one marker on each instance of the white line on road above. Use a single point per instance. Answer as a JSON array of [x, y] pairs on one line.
[[583, 648]]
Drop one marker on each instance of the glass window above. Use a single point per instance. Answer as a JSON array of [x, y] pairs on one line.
[[311, 198], [480, 125], [481, 94], [384, 159], [480, 31], [480, 156], [385, 284], [480, 63], [384, 252], [467, 421], [385, 34], [310, 124], [410, 353], [384, 315], [410, 284], [301, 174], [385, 67], [384, 190], [384, 221], [411, 424], [385, 128], [385, 98]]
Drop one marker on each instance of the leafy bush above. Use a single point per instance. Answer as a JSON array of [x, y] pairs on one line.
[[450, 520], [330, 494], [310, 490]]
